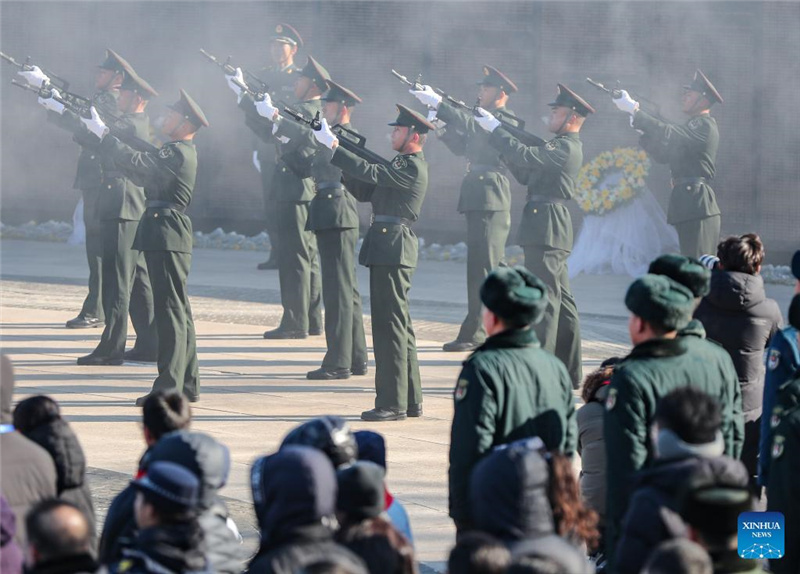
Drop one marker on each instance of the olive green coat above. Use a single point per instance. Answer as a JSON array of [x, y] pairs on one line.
[[508, 389]]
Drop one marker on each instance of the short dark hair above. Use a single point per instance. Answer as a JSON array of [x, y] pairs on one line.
[[690, 413], [744, 253], [165, 412], [50, 536], [535, 565], [478, 553], [679, 556], [380, 545], [35, 411]]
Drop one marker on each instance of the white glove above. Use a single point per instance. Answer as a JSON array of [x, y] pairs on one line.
[[437, 123], [51, 104], [237, 89], [324, 135], [283, 139], [35, 77], [487, 121], [427, 96], [95, 124], [265, 108], [625, 103], [256, 161]]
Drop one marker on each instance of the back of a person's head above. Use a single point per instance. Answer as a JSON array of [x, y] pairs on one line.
[[712, 513], [679, 556], [549, 554], [371, 447], [478, 553], [35, 411], [744, 253], [57, 529], [536, 565], [6, 389], [327, 567], [594, 381], [380, 545], [691, 414], [330, 434], [165, 412]]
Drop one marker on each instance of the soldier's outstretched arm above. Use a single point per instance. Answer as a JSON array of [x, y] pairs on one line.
[[535, 158], [144, 169], [695, 132], [384, 176]]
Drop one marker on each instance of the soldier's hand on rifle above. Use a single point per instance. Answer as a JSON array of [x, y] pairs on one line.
[[265, 108], [437, 123], [95, 124], [427, 96], [35, 77], [233, 85], [625, 103], [51, 103], [325, 136], [486, 120]]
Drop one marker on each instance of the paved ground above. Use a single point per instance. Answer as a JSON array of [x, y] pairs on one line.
[[254, 391]]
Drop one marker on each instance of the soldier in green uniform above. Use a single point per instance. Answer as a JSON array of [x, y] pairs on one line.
[[333, 217], [783, 493], [545, 233], [662, 360], [485, 197], [165, 235], [279, 76], [125, 284], [691, 152], [509, 388], [293, 189], [88, 178], [396, 192]]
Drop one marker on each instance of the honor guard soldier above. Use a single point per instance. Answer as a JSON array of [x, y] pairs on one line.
[[165, 235], [88, 178], [509, 388], [691, 152], [485, 197], [279, 76], [661, 360], [396, 192], [545, 232], [333, 217], [293, 189]]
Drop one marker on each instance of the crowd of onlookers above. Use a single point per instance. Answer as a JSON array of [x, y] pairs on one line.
[[663, 478]]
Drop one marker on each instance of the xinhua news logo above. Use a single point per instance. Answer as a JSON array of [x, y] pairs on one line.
[[761, 535]]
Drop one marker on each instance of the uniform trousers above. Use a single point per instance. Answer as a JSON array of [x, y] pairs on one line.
[[699, 236], [93, 304]]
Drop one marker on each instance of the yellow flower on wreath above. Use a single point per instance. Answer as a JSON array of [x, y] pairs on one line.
[[634, 166]]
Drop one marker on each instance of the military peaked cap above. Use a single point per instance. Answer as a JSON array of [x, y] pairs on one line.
[[189, 109], [702, 84], [287, 35], [135, 83], [569, 99], [494, 77], [411, 119], [317, 73], [115, 62], [338, 93]]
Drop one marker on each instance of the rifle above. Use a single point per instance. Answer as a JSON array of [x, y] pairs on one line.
[[511, 123], [348, 139], [616, 93], [261, 86], [116, 125]]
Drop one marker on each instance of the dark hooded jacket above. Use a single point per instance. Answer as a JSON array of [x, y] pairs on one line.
[[737, 314], [78, 564], [164, 550], [653, 515], [210, 462], [294, 495], [509, 495], [62, 444]]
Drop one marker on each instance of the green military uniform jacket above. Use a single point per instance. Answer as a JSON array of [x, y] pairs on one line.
[[783, 493], [332, 207], [167, 176], [397, 190], [508, 389], [691, 151], [281, 85], [291, 181], [551, 173], [485, 186], [650, 371]]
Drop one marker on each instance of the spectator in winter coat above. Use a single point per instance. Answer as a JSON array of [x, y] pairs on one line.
[[364, 528], [330, 434], [162, 413], [689, 446], [39, 419], [169, 539], [10, 553], [294, 497], [679, 556], [372, 447], [27, 472], [738, 315], [529, 499], [478, 553], [59, 539]]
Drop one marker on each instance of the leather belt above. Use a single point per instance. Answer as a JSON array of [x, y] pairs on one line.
[[330, 186], [391, 219], [154, 204], [676, 181], [485, 168], [547, 199]]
